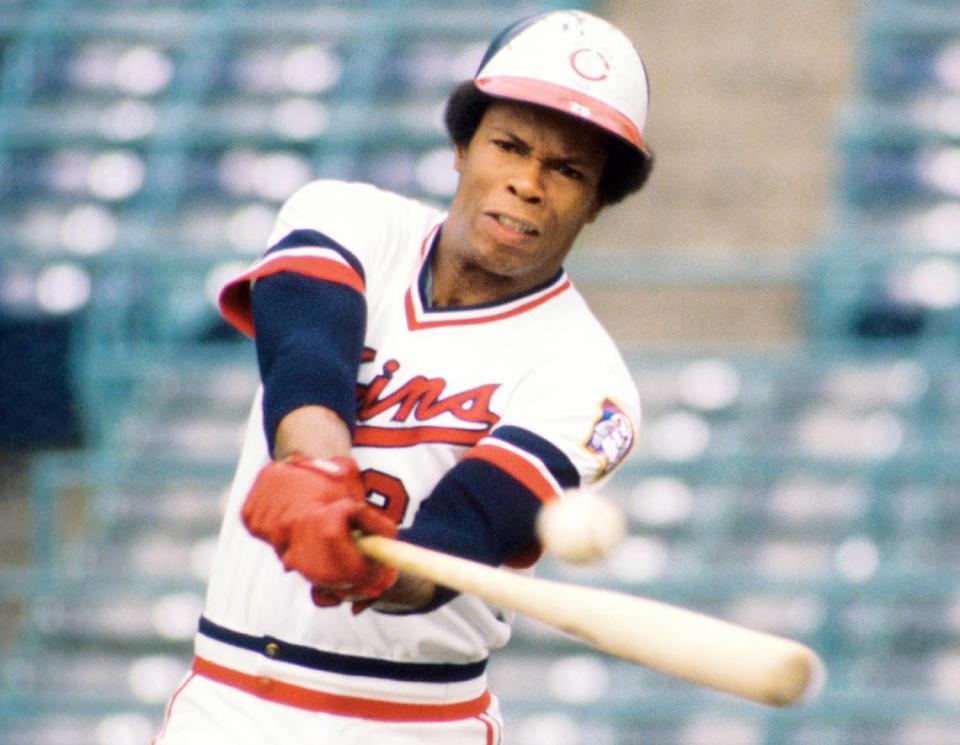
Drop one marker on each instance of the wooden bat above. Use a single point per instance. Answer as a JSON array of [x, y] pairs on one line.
[[685, 644]]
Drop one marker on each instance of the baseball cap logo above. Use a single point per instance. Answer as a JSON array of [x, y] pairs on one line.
[[590, 64]]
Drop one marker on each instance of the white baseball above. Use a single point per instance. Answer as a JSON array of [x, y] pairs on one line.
[[580, 527]]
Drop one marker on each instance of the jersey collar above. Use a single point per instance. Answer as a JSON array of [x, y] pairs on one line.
[[420, 316]]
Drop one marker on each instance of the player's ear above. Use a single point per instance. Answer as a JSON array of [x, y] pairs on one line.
[[459, 153], [595, 210]]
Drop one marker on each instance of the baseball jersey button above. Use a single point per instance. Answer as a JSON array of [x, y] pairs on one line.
[[264, 685], [272, 649]]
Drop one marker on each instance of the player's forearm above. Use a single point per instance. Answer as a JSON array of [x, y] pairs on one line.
[[409, 592], [312, 431]]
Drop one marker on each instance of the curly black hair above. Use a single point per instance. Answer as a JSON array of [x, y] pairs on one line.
[[626, 171]]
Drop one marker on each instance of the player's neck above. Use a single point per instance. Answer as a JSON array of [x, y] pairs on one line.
[[455, 281], [460, 284]]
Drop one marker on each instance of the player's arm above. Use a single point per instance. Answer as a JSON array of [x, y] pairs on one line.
[[312, 431], [307, 501], [477, 512], [306, 412], [309, 338], [485, 508]]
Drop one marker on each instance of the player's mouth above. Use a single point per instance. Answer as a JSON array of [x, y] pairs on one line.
[[515, 225]]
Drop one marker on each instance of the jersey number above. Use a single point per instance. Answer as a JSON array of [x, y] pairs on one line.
[[386, 492]]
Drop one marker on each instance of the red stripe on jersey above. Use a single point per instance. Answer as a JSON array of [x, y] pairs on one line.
[[415, 324], [489, 726], [518, 467], [398, 437], [310, 699], [235, 295]]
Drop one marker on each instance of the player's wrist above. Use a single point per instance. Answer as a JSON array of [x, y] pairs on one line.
[[340, 467]]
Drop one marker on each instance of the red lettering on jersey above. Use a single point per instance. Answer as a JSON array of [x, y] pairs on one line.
[[422, 398]]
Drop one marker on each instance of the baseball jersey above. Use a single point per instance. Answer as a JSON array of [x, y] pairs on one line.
[[531, 385]]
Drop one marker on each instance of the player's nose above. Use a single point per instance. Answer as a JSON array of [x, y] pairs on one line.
[[525, 181]]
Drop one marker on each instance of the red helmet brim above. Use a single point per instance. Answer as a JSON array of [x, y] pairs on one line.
[[566, 100]]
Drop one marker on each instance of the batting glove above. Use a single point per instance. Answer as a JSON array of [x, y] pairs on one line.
[[308, 511]]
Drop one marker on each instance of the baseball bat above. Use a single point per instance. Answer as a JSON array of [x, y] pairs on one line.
[[681, 643]]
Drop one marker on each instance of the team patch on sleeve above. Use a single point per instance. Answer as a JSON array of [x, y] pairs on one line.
[[611, 437]]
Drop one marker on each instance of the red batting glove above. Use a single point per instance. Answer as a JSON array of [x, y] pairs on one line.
[[284, 491], [322, 547], [308, 511]]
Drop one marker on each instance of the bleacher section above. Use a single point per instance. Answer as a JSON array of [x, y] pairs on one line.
[[891, 270], [811, 491]]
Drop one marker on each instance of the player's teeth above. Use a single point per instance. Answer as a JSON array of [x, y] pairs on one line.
[[514, 224]]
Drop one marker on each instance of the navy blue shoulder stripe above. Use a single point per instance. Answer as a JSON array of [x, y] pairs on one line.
[[556, 461], [303, 237]]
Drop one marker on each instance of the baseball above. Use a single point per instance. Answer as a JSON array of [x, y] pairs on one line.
[[581, 527]]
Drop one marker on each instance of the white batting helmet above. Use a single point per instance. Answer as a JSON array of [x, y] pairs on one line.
[[573, 62]]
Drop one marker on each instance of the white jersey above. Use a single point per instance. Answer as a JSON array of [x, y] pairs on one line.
[[435, 386]]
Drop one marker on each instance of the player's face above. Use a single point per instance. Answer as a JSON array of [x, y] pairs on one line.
[[528, 184]]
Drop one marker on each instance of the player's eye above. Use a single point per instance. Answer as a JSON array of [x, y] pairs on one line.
[[507, 146], [569, 172]]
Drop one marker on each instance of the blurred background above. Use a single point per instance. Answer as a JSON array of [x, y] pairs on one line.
[[786, 291]]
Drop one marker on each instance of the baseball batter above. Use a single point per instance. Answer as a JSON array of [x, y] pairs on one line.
[[430, 375]]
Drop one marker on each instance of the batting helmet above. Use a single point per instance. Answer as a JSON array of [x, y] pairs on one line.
[[573, 62]]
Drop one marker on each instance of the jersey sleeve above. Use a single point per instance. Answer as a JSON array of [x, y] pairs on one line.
[[558, 433], [565, 429], [320, 232]]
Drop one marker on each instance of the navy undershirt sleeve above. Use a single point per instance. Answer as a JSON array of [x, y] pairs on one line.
[[477, 511], [309, 339]]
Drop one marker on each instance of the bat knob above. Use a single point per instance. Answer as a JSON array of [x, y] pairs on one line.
[[816, 681]]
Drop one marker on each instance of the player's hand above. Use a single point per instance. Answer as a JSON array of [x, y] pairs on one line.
[[308, 511], [284, 491], [323, 550]]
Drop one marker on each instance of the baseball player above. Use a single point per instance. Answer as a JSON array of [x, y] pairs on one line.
[[433, 376]]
